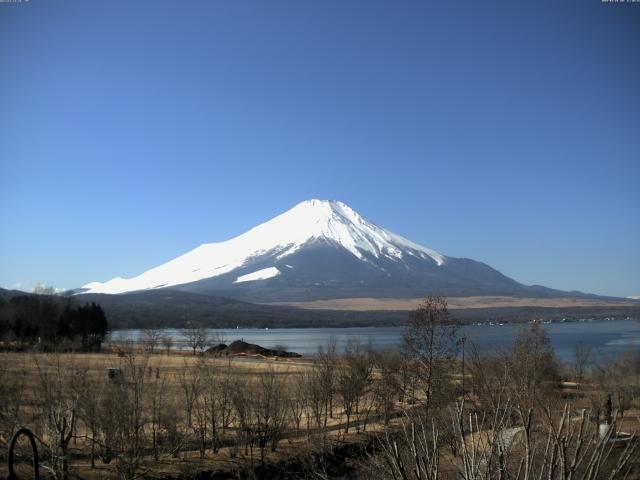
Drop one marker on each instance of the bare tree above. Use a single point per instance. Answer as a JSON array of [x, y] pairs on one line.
[[271, 410], [354, 375], [151, 339], [12, 390], [387, 386], [618, 377], [122, 416], [558, 447], [169, 426], [243, 399], [217, 398], [317, 401], [491, 376], [196, 337], [157, 409], [201, 412], [580, 360], [297, 402], [431, 340], [190, 381], [42, 289], [326, 364], [167, 343], [413, 454], [89, 392], [534, 370], [59, 405]]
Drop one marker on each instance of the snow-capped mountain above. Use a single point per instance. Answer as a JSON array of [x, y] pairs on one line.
[[318, 249]]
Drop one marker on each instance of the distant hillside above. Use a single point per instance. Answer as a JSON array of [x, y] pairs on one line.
[[6, 295], [172, 308]]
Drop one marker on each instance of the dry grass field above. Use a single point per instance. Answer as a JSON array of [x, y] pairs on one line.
[[178, 378], [369, 304], [176, 415]]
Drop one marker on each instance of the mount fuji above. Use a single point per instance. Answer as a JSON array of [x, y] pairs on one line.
[[321, 249]]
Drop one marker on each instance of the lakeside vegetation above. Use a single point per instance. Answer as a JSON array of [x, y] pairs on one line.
[[144, 410], [44, 321]]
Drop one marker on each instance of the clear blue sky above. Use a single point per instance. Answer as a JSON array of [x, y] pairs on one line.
[[507, 132]]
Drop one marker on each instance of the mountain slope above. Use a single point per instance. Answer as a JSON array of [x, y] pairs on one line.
[[317, 250]]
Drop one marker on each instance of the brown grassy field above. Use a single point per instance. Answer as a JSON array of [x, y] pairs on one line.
[[369, 304], [174, 372], [177, 379]]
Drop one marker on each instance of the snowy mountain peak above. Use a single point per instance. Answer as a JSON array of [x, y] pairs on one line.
[[328, 221]]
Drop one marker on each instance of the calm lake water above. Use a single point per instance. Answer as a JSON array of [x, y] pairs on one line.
[[605, 337]]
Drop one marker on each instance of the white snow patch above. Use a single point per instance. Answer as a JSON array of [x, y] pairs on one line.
[[259, 275]]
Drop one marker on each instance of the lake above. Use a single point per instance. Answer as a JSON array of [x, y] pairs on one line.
[[605, 337]]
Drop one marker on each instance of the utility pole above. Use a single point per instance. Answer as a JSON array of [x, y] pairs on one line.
[[463, 340]]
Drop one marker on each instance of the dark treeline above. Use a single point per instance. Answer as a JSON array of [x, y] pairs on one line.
[[51, 322]]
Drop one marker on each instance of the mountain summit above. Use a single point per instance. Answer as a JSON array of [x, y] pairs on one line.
[[319, 249]]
